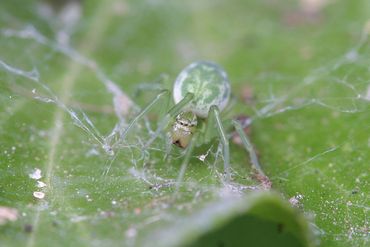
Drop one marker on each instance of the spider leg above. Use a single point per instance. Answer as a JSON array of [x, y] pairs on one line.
[[209, 128], [185, 162], [215, 114], [171, 114], [164, 93], [248, 146], [154, 86]]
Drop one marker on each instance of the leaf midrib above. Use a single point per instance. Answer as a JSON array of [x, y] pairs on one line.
[[87, 46]]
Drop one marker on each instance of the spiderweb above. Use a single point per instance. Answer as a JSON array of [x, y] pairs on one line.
[[29, 67]]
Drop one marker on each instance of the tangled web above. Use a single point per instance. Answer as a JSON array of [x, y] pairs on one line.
[[27, 76]]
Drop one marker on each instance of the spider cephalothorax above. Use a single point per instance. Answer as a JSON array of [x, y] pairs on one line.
[[183, 129]]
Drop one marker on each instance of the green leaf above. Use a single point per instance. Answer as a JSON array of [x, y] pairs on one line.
[[260, 219], [70, 80]]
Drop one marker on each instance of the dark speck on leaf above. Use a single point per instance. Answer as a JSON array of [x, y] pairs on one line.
[[28, 228], [280, 228], [354, 192]]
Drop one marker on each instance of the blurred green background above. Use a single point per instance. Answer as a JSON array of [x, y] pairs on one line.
[[298, 68]]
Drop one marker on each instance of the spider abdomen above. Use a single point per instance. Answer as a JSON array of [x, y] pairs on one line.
[[209, 84]]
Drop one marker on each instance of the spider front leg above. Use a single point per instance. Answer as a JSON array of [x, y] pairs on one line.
[[171, 114], [157, 85], [185, 162], [248, 146], [214, 114], [163, 94]]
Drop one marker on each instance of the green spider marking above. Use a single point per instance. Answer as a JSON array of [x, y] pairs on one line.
[[209, 84]]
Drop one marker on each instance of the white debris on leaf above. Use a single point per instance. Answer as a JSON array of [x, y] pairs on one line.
[[36, 174], [40, 184], [8, 214], [92, 152], [131, 232], [202, 157], [108, 149], [88, 198], [295, 200], [39, 194]]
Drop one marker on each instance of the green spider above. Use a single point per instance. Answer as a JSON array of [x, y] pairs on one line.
[[201, 91]]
